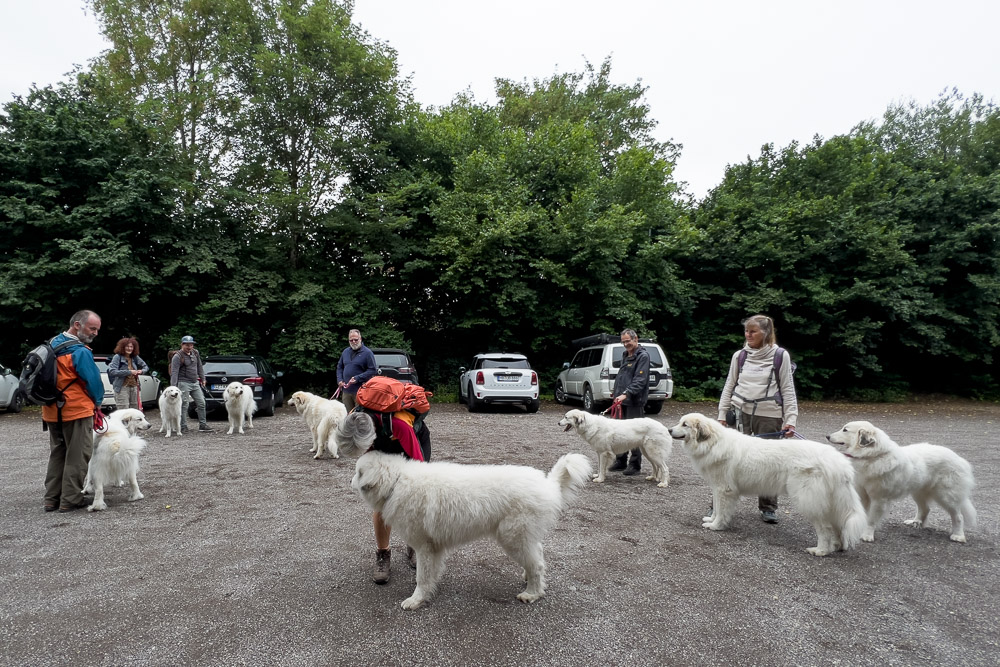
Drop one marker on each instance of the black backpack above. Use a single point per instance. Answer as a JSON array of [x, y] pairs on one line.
[[38, 374]]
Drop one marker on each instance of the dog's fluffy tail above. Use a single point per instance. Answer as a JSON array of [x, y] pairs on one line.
[[847, 504], [355, 432], [968, 513], [571, 472]]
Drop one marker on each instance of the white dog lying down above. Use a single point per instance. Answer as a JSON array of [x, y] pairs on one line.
[[817, 477], [437, 507], [609, 437], [884, 471], [240, 406], [116, 456], [170, 410], [322, 417]]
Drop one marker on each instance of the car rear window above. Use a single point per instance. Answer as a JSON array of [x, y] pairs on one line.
[[655, 358], [505, 363], [230, 368], [393, 360]]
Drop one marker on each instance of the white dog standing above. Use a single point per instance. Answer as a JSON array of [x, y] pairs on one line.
[[440, 506], [884, 471], [170, 410], [240, 406], [322, 417], [609, 437], [819, 480], [116, 456]]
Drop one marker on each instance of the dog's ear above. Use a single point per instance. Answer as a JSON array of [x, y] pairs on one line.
[[702, 430], [577, 419], [866, 438]]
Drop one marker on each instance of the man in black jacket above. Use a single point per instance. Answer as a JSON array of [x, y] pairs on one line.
[[631, 391]]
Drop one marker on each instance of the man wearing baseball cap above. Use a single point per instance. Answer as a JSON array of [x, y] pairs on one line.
[[188, 374]]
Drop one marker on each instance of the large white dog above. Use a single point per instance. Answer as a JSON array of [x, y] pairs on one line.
[[170, 410], [609, 437], [116, 456], [817, 477], [322, 417], [240, 406], [437, 507], [884, 471]]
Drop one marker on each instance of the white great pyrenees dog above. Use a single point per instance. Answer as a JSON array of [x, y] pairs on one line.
[[884, 471], [322, 416], [170, 410], [437, 507], [819, 480], [240, 406], [116, 456], [609, 437]]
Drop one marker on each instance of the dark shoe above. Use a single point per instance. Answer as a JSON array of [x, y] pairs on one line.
[[411, 557], [631, 471], [768, 516], [381, 573], [205, 428], [70, 507], [50, 507], [619, 464], [184, 429]]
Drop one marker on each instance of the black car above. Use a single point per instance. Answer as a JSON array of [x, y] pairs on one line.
[[249, 369], [395, 363]]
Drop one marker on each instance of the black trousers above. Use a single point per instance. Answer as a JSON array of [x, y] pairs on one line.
[[631, 412]]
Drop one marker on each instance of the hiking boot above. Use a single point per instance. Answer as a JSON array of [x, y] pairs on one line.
[[380, 575], [184, 429], [411, 557], [768, 516], [631, 470], [619, 464], [205, 428]]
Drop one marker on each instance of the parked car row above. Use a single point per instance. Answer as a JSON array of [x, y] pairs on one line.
[[500, 377]]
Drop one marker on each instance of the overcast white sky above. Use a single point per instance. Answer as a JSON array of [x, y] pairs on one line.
[[724, 77]]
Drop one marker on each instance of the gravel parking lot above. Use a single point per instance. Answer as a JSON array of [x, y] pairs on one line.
[[246, 551]]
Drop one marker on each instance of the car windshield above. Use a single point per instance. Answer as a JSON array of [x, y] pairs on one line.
[[102, 366], [230, 368], [391, 360], [655, 360], [505, 363]]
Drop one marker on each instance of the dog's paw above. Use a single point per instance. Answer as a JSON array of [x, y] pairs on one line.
[[137, 496], [529, 597], [707, 519], [713, 525], [662, 485], [412, 602], [97, 507], [230, 431], [957, 538], [914, 523], [816, 551], [868, 537], [599, 479]]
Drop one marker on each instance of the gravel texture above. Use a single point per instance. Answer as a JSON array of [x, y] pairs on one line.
[[246, 551]]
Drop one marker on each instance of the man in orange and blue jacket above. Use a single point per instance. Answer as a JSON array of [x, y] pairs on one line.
[[70, 422]]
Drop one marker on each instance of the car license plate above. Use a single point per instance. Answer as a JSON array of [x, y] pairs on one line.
[[508, 378], [653, 379], [218, 387]]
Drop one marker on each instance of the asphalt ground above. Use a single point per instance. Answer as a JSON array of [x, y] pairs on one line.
[[246, 551]]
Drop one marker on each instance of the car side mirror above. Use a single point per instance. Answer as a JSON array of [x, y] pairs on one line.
[[565, 365], [155, 374], [279, 374], [461, 369]]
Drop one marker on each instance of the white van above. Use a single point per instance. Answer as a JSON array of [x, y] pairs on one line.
[[590, 376]]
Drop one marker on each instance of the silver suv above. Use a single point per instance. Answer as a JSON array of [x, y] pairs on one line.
[[590, 377]]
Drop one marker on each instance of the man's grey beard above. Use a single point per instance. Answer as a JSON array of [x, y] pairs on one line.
[[356, 346], [85, 338]]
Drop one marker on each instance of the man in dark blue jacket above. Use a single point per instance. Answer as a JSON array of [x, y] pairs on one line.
[[631, 391], [355, 367]]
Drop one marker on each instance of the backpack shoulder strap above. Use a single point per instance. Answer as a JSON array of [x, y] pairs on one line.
[[740, 361], [779, 356]]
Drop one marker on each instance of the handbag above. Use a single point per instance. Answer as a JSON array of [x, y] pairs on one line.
[[731, 417]]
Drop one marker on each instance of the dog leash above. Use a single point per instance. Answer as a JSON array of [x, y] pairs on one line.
[[781, 433], [614, 411]]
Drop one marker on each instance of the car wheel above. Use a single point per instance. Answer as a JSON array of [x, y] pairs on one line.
[[267, 409], [588, 400], [16, 403], [280, 399], [560, 394], [460, 399], [471, 401], [533, 406], [653, 407]]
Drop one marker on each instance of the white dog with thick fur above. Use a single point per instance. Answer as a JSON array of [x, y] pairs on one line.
[[437, 507], [819, 480], [610, 437], [884, 471], [322, 417], [116, 456], [170, 410], [240, 406]]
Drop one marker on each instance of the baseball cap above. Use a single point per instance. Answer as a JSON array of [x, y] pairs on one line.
[[187, 339]]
